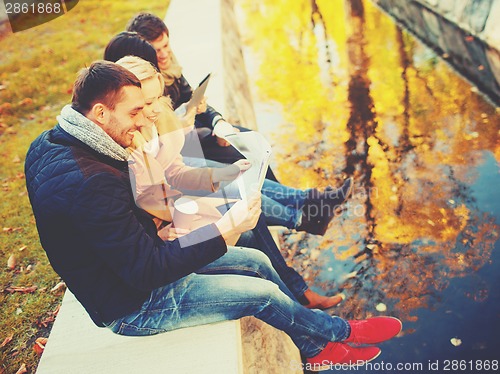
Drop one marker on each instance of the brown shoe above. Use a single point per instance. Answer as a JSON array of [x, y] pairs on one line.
[[316, 301]]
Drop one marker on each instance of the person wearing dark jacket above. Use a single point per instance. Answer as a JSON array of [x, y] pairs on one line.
[[154, 30], [129, 280]]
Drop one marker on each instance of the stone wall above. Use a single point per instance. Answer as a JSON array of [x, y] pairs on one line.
[[237, 96], [466, 33]]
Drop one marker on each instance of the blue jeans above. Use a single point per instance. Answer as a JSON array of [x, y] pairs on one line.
[[281, 204], [240, 283], [260, 238]]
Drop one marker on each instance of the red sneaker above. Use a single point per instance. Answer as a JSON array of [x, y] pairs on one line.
[[373, 330], [339, 353]]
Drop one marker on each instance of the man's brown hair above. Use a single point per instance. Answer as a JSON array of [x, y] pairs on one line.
[[101, 82], [148, 26]]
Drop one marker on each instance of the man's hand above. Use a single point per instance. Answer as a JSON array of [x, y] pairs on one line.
[[242, 216], [230, 172]]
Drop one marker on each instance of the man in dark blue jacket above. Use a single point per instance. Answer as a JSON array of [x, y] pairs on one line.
[[127, 278]]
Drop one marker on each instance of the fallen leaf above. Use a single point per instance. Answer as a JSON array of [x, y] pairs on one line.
[[18, 311], [455, 341], [16, 159], [22, 248], [27, 101], [12, 229], [381, 307], [7, 340], [61, 286], [13, 289], [46, 321], [6, 108], [22, 369], [39, 345], [12, 262]]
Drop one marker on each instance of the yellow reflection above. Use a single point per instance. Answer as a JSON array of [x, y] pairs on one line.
[[360, 97]]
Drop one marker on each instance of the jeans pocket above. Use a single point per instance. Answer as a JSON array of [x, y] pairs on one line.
[[132, 330]]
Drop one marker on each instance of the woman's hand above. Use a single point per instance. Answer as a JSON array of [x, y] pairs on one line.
[[186, 117], [202, 106], [138, 142], [171, 233], [230, 172]]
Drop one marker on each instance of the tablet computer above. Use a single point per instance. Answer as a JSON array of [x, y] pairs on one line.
[[198, 93]]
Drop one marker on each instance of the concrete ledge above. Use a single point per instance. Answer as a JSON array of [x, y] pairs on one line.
[[77, 346]]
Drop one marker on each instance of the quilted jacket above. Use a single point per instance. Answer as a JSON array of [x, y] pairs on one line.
[[99, 242]]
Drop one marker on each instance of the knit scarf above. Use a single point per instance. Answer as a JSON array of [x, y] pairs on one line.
[[173, 72], [79, 126]]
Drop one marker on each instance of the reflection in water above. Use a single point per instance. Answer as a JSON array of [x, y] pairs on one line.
[[360, 97]]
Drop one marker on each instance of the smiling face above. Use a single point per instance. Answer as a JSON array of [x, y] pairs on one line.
[[126, 117], [163, 51], [152, 92]]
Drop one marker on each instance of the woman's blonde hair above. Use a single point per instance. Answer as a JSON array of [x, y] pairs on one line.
[[142, 69]]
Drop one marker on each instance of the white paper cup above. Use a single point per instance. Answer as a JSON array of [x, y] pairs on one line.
[[185, 210]]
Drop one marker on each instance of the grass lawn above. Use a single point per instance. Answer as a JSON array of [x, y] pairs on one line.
[[37, 69]]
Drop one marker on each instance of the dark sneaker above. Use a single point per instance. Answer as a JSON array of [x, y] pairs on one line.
[[320, 207], [337, 196]]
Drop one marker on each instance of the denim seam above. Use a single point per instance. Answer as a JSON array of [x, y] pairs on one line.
[[314, 332], [245, 268], [195, 304]]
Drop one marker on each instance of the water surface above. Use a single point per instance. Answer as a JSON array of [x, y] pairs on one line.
[[341, 91]]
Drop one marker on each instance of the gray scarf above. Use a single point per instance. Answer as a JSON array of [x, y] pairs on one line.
[[79, 126]]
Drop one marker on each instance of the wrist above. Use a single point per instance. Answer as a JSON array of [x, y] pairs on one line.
[[223, 129], [217, 119], [216, 175], [226, 231]]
